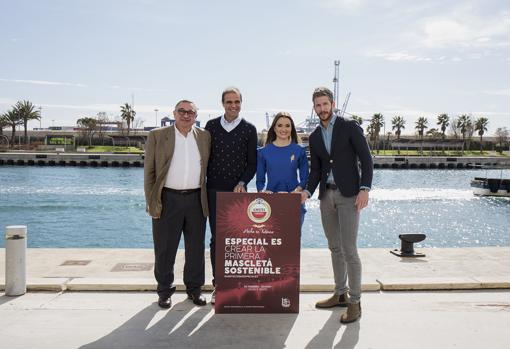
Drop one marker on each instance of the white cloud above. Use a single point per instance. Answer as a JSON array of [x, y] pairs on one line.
[[342, 4], [465, 29], [396, 56], [459, 32], [106, 107], [7, 101], [442, 31], [502, 92], [402, 56], [43, 82], [72, 84]]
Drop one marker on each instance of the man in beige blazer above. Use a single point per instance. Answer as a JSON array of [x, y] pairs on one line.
[[175, 167]]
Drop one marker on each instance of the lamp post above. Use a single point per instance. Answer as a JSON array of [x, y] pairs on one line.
[[156, 110]]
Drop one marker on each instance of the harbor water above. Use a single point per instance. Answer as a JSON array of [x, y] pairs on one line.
[[105, 208]]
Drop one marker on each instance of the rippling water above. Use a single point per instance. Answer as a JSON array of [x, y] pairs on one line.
[[104, 207]]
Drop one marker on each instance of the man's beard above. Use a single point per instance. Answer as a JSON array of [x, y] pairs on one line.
[[325, 115]]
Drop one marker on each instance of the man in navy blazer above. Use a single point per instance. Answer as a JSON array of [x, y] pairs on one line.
[[339, 152]]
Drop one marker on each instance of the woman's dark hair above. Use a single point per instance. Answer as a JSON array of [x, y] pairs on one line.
[[271, 134]]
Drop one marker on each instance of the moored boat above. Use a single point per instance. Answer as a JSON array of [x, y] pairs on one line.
[[491, 186]]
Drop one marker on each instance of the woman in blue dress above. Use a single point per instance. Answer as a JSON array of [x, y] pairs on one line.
[[281, 159]]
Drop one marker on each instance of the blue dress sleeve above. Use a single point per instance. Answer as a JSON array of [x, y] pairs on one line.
[[303, 168], [261, 170]]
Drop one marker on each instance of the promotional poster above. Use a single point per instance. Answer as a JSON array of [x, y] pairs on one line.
[[257, 253]]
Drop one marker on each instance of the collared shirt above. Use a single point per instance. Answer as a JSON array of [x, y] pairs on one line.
[[229, 125], [184, 171], [327, 136]]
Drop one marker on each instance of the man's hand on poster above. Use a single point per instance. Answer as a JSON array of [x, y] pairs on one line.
[[298, 189], [239, 189], [304, 196]]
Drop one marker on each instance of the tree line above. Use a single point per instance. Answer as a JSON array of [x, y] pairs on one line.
[[24, 111], [464, 127], [19, 114], [89, 126]]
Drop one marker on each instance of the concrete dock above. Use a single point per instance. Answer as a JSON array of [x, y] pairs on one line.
[[452, 298], [132, 269]]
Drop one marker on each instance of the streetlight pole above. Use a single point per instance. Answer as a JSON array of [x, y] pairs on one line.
[[156, 110]]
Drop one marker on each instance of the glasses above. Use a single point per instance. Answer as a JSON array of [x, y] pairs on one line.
[[183, 112]]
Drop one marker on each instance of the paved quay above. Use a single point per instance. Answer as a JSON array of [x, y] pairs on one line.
[[91, 320], [132, 269], [452, 298]]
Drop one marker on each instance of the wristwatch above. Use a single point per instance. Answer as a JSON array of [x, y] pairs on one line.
[[364, 189]]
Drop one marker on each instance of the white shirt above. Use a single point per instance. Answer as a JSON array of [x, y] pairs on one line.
[[229, 125], [184, 171]]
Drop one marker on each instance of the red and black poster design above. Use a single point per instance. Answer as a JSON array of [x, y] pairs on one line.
[[258, 244]]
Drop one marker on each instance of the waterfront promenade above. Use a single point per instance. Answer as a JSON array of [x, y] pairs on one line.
[[452, 298], [132, 269]]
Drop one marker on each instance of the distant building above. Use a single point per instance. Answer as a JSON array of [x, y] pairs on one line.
[[166, 121]]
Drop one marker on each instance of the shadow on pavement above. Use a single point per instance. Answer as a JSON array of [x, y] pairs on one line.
[[5, 299], [187, 326], [327, 334]]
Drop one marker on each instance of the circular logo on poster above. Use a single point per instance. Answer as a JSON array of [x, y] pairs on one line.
[[259, 211]]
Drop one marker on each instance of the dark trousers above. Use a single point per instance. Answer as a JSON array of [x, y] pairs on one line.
[[211, 201], [180, 214]]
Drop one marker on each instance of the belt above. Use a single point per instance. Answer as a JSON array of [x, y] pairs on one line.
[[331, 186], [181, 192]]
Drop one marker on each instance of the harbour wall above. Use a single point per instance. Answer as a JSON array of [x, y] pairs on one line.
[[136, 160], [72, 159], [440, 162]]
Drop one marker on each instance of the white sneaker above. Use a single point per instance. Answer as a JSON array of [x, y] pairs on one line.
[[213, 296]]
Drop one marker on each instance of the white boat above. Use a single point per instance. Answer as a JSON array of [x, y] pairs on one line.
[[491, 186]]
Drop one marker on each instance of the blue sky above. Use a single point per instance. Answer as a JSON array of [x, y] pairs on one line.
[[78, 58]]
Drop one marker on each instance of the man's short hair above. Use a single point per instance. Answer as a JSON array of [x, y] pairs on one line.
[[185, 101], [322, 92], [231, 90]]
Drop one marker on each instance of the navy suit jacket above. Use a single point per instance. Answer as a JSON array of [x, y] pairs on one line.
[[349, 148]]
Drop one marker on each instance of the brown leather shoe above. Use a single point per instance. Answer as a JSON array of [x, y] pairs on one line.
[[352, 314], [333, 301]]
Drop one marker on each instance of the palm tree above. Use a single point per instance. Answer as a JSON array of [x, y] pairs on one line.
[[376, 123], [26, 111], [370, 132], [358, 119], [13, 120], [398, 123], [443, 120], [464, 124], [481, 126], [421, 125], [127, 113]]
